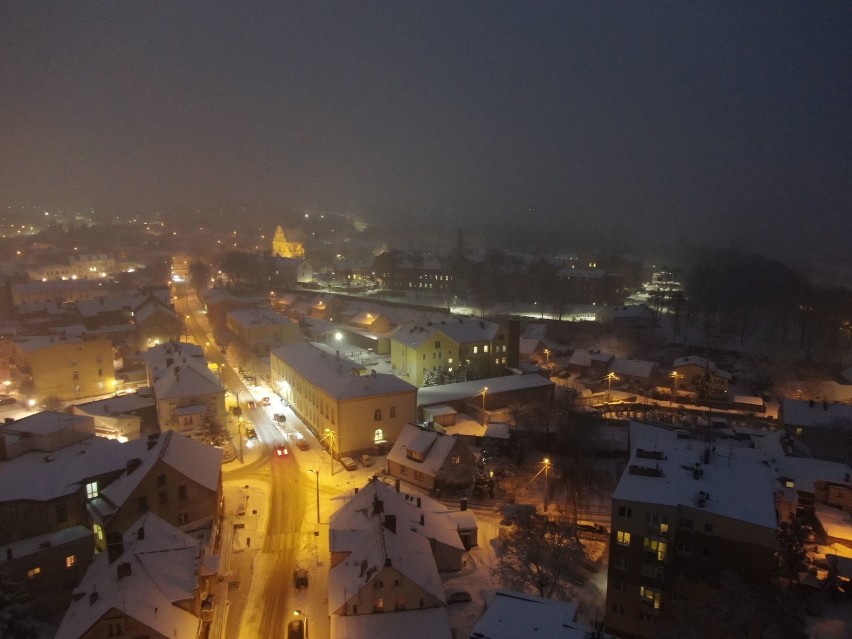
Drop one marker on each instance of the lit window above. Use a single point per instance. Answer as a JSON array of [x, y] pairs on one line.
[[92, 490], [656, 547], [475, 350], [623, 537], [651, 596], [32, 573], [378, 605], [485, 348], [70, 561], [99, 532], [378, 435]]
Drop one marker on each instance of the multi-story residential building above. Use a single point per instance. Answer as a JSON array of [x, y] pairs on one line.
[[401, 273], [701, 376], [824, 427], [123, 417], [55, 291], [385, 548], [686, 511], [352, 409], [149, 584], [156, 322], [480, 345], [67, 368], [262, 329], [96, 266]]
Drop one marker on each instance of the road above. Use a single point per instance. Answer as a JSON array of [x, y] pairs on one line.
[[261, 607]]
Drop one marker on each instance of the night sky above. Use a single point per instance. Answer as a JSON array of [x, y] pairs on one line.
[[728, 122]]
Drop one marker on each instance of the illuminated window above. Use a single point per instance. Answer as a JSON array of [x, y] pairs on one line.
[[485, 348], [32, 573], [455, 460], [623, 537], [475, 350], [379, 605], [92, 490], [657, 547], [651, 596], [70, 561], [99, 532], [378, 435]]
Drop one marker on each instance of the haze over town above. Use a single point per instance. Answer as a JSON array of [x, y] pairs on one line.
[[428, 320]]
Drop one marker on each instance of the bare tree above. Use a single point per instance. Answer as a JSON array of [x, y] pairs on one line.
[[540, 554], [16, 614]]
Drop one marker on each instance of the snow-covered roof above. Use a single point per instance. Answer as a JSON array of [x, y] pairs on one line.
[[118, 405], [737, 482], [187, 377], [258, 317], [156, 571], [800, 412], [107, 304], [33, 344], [157, 356], [461, 331], [39, 477], [335, 375], [585, 357], [55, 538], [151, 307], [433, 447], [195, 460], [428, 623], [835, 522], [444, 393], [701, 362], [632, 367], [516, 615], [357, 526]]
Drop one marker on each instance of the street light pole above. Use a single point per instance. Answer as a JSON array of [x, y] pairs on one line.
[[675, 375], [316, 472], [484, 391], [330, 434], [546, 469], [240, 425]]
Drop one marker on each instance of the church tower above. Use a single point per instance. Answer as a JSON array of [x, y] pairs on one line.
[[282, 248]]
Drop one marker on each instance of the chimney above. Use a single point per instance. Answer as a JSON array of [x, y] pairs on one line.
[[133, 464], [418, 502], [93, 597], [170, 361], [123, 570], [152, 441], [378, 506], [390, 523], [396, 485], [337, 354], [387, 562], [373, 372], [140, 534], [356, 490], [422, 519], [115, 546], [463, 504]]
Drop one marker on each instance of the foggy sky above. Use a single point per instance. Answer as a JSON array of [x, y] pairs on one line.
[[727, 122]]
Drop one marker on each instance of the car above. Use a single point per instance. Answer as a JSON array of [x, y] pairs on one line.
[[348, 463], [302, 444], [366, 460], [281, 450], [266, 401], [300, 578], [279, 417], [460, 596], [296, 629], [251, 434]]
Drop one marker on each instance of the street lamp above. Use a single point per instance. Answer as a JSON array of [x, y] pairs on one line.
[[546, 469], [675, 376], [239, 412], [547, 357], [483, 393], [610, 376], [316, 472]]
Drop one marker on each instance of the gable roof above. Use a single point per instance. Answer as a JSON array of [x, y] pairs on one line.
[[434, 447], [185, 378], [516, 615], [195, 460], [160, 569], [461, 331], [632, 367], [695, 360]]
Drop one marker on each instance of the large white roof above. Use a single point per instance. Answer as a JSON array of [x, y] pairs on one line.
[[515, 615], [444, 393], [431, 445], [460, 330], [738, 480], [428, 623], [187, 377], [337, 376], [800, 412]]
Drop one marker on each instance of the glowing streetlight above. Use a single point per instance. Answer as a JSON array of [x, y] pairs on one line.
[[316, 472], [547, 357], [329, 434], [675, 376], [546, 469], [610, 376], [483, 393]]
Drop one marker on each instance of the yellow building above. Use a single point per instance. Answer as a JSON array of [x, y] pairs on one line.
[[417, 349], [67, 368], [694, 372], [261, 329], [281, 247], [351, 409]]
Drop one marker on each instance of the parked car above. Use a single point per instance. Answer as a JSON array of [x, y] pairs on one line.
[[348, 463], [366, 460], [279, 417], [265, 401], [461, 596], [5, 401], [300, 578], [302, 444], [251, 434], [296, 629]]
